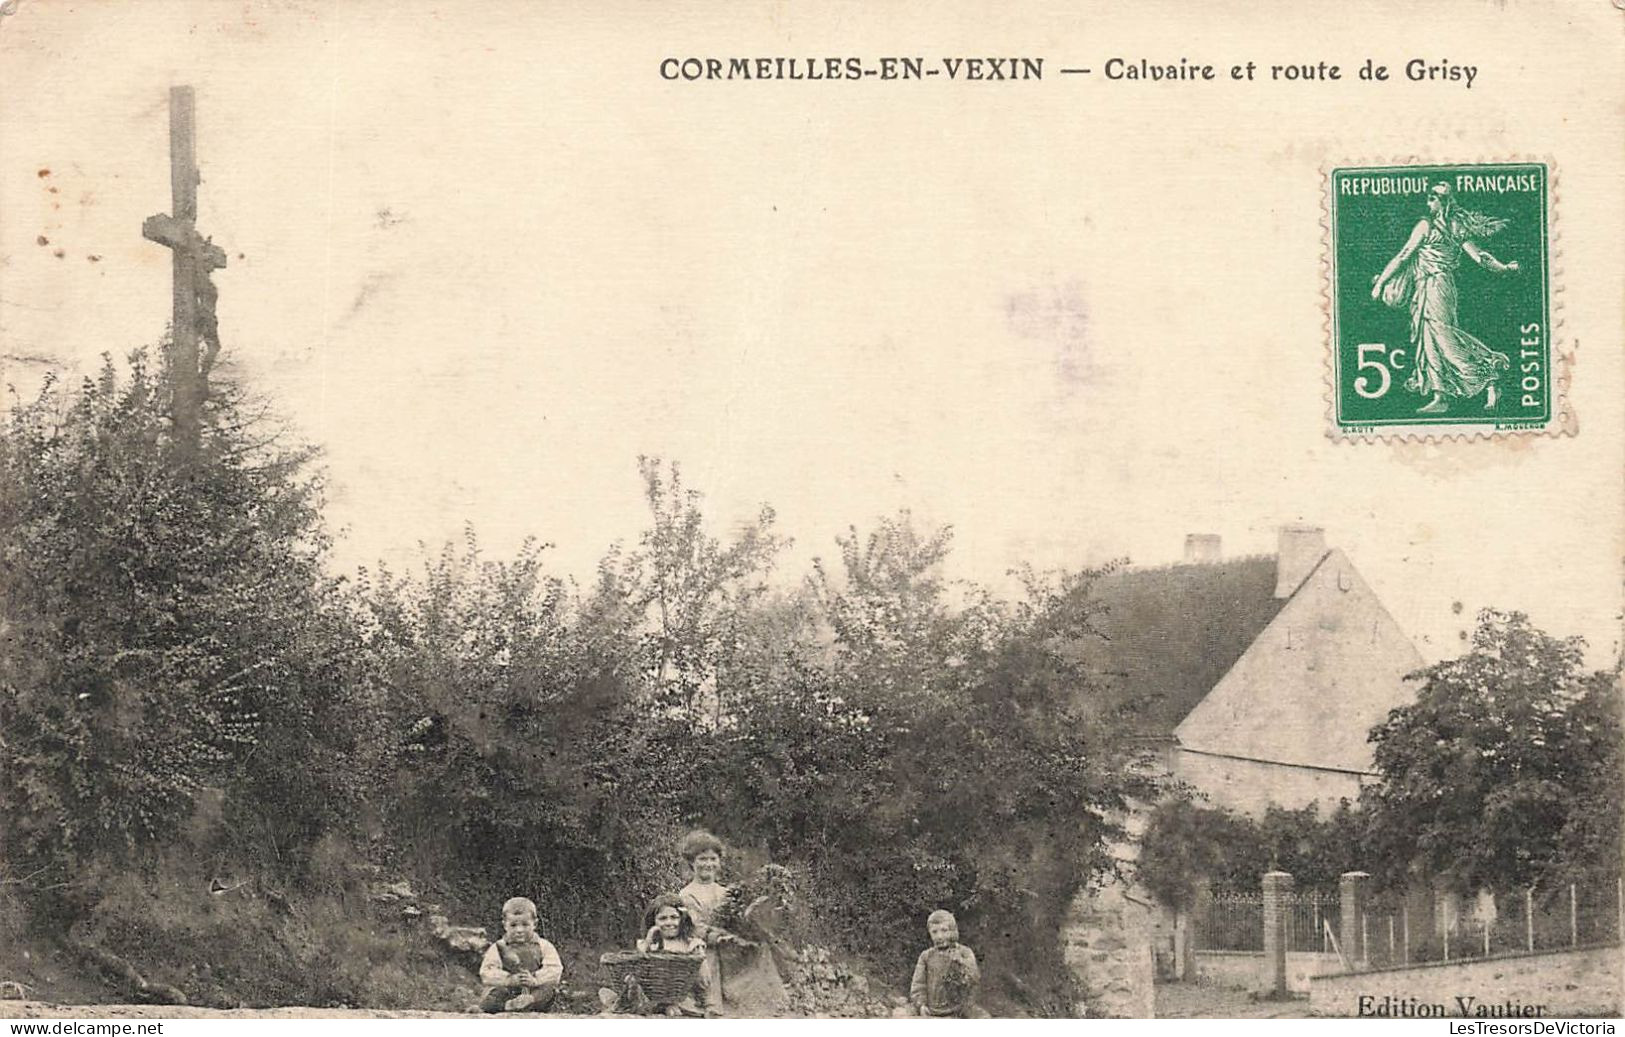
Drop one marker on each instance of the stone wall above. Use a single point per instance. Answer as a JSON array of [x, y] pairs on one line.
[[1554, 984], [1107, 945], [1232, 970], [1247, 970]]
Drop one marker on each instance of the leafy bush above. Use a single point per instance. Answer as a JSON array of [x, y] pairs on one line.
[[901, 752], [500, 693], [1186, 845], [171, 639], [167, 627], [930, 756]]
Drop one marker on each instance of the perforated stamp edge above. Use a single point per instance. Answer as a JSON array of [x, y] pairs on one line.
[[1563, 421]]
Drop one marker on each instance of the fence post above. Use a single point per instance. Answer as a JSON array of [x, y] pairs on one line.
[[1529, 916], [1277, 888], [1390, 940], [1619, 899], [1574, 917], [1351, 928], [1200, 917], [1182, 942], [1405, 932]]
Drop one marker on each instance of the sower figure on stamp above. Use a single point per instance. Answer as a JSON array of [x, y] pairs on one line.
[[1449, 361]]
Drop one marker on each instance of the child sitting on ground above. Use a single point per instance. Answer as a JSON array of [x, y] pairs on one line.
[[521, 971], [670, 930], [945, 977]]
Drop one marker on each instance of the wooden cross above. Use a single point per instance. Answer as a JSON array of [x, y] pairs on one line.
[[194, 259]]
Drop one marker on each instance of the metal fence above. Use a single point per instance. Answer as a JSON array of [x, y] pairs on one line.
[[1534, 919], [1230, 922], [1386, 934], [1235, 922], [1308, 915], [1421, 927]]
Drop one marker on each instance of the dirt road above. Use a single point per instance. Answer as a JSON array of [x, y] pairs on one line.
[[47, 1010]]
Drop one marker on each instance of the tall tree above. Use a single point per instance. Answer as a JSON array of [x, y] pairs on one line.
[[1506, 770], [698, 589], [886, 607]]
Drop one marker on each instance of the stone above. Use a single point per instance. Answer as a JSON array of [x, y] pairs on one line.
[[393, 891], [457, 937], [467, 938]]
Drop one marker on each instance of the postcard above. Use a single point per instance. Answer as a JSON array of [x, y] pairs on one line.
[[811, 510]]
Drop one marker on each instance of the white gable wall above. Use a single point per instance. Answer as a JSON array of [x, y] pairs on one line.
[[1250, 787], [1288, 723]]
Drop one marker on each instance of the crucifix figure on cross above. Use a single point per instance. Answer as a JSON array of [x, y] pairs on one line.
[[195, 258], [205, 258]]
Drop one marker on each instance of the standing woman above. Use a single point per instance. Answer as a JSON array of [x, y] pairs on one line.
[[1449, 361], [738, 970], [703, 897]]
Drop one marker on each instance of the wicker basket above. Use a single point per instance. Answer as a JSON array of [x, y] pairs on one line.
[[666, 977]]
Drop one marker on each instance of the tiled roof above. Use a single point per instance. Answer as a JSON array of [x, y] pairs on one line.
[[1173, 631]]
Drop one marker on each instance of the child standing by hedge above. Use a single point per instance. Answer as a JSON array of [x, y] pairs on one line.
[[945, 976]]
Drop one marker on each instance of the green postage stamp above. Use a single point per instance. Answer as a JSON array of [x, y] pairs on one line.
[[1440, 301]]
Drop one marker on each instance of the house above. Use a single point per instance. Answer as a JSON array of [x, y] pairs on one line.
[[1259, 677]]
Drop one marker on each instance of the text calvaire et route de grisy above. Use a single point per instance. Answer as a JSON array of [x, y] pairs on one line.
[[1024, 69]]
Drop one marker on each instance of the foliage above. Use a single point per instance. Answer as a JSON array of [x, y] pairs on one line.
[[697, 590], [1186, 845], [167, 627], [850, 732], [933, 756], [546, 738], [1506, 771], [899, 742], [888, 617], [497, 694]]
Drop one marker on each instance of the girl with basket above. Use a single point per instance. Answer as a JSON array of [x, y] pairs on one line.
[[664, 975]]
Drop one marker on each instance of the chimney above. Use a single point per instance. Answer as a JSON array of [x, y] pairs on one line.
[[1201, 547], [1302, 548]]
